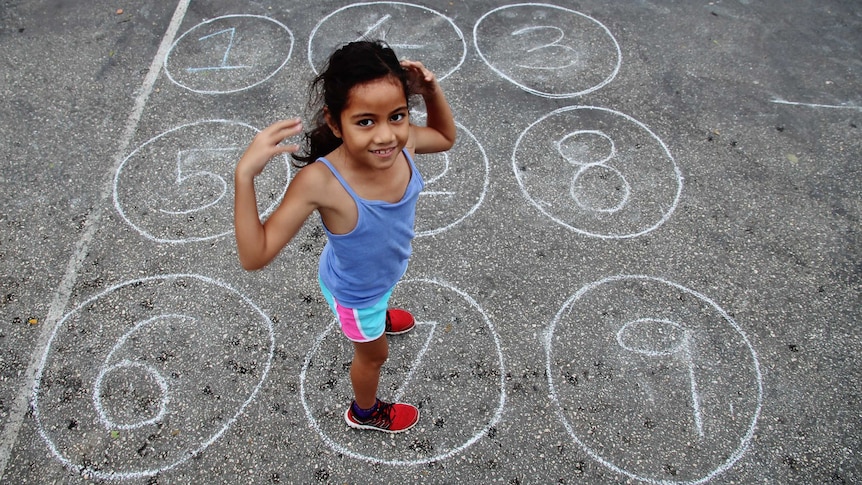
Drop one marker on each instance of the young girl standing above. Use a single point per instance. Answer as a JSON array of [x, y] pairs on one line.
[[358, 174]]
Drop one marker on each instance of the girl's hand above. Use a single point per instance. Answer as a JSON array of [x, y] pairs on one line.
[[266, 145], [419, 79]]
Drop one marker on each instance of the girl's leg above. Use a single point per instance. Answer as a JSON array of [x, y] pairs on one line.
[[368, 358]]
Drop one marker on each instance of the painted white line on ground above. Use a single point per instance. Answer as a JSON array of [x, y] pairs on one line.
[[815, 105], [18, 410]]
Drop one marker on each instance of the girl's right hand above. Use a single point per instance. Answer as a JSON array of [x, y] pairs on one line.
[[266, 145]]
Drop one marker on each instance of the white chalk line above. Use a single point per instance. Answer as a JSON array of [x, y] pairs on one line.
[[552, 44], [97, 388], [440, 75], [534, 91], [162, 240], [743, 442], [181, 178], [677, 172], [224, 64], [695, 395], [436, 177], [110, 423], [575, 189], [368, 31], [815, 105], [486, 182], [338, 448], [417, 361], [18, 409], [612, 151], [184, 455], [683, 348], [236, 90], [382, 36], [584, 166]]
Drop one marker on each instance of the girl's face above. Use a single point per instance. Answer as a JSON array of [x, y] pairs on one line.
[[374, 123]]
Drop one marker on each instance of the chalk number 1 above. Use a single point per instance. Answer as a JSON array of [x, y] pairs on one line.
[[230, 34]]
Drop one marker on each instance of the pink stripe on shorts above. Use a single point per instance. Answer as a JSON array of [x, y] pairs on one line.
[[359, 324]]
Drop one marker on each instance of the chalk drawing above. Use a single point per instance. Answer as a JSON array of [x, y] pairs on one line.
[[451, 360], [17, 408], [547, 50], [417, 361], [456, 182], [617, 191], [177, 186], [636, 364], [229, 54], [598, 172], [413, 32], [116, 423], [189, 354], [561, 53], [815, 105], [223, 64], [681, 346]]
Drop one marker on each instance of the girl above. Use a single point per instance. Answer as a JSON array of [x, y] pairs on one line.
[[358, 174]]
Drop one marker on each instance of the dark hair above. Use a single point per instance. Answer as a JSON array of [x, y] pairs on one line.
[[353, 64]]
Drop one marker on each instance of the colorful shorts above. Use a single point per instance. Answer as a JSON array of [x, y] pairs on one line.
[[359, 324]]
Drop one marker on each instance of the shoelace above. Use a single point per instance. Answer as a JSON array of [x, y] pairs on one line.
[[382, 416]]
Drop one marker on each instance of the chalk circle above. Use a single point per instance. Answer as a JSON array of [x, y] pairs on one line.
[[178, 186], [412, 31], [600, 188], [597, 172], [547, 50], [228, 54], [653, 380], [148, 373], [120, 410], [452, 360], [664, 337], [586, 147], [456, 182]]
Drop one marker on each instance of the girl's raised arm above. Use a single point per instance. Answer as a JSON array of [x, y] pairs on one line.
[[258, 243], [439, 132]]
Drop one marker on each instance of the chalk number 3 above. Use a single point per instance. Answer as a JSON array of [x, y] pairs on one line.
[[553, 49]]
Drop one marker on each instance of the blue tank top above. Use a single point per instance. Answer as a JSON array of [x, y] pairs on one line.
[[361, 266]]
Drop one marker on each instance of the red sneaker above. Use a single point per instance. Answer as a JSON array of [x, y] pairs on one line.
[[399, 321], [388, 417]]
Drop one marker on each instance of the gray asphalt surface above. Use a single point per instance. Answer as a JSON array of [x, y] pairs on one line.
[[639, 263]]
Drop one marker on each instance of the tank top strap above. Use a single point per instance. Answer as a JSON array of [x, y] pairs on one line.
[[415, 176], [414, 172], [339, 178]]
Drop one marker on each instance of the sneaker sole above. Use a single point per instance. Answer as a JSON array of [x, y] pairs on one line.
[[399, 333], [356, 425]]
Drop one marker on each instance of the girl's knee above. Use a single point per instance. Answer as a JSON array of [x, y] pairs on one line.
[[371, 353]]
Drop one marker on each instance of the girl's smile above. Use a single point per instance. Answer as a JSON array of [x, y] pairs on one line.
[[374, 124]]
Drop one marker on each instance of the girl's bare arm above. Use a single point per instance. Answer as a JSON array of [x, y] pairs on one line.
[[439, 132], [258, 243]]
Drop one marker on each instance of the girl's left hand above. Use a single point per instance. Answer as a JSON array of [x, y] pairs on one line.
[[419, 79]]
